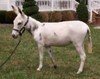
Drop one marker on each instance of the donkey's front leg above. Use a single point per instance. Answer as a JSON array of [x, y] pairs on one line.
[[40, 48]]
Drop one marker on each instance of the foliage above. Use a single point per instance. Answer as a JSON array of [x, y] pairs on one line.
[[68, 15], [24, 62], [31, 9], [78, 0], [29, 3], [44, 16], [10, 16], [2, 16], [7, 16], [53, 16], [82, 12]]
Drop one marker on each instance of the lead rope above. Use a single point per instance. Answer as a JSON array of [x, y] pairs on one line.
[[11, 53], [20, 33]]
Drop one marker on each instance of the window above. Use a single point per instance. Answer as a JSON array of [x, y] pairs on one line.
[[17, 3]]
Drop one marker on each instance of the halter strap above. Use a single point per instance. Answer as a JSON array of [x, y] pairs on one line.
[[21, 31], [26, 21]]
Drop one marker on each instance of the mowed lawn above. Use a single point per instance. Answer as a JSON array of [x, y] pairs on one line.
[[24, 62]]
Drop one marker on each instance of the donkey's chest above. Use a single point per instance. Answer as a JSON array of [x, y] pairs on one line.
[[38, 37]]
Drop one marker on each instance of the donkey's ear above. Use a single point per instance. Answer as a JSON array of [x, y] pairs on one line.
[[20, 11], [14, 9]]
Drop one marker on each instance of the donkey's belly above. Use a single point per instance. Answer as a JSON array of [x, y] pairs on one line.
[[56, 42]]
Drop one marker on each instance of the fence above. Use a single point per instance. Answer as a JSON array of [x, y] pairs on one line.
[[56, 5], [93, 6]]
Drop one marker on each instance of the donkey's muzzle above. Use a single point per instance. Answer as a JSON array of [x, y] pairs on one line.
[[14, 36], [21, 31]]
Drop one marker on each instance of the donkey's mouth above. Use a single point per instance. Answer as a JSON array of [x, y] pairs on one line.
[[14, 36]]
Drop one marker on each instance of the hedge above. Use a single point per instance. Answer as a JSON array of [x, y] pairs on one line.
[[10, 16], [37, 16], [58, 16], [55, 16], [2, 16], [69, 15], [31, 10], [7, 16], [44, 16]]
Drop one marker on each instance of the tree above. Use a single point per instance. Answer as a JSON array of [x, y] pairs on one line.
[[31, 9], [78, 0], [82, 12], [86, 1]]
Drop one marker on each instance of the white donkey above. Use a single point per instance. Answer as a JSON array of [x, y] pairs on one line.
[[53, 34]]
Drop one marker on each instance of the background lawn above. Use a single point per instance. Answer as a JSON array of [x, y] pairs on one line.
[[24, 62]]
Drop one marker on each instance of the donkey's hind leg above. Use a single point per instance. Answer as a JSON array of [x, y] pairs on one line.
[[51, 57], [80, 50]]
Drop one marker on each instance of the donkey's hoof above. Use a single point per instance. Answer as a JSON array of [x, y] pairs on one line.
[[79, 72], [38, 69]]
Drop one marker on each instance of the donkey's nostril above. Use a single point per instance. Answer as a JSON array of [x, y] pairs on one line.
[[14, 36]]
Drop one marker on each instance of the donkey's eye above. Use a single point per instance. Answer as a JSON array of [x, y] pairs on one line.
[[19, 23]]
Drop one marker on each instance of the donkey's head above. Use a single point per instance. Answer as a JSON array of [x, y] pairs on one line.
[[19, 22]]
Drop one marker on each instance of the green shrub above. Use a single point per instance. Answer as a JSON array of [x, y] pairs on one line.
[[10, 16], [2, 16], [27, 4], [82, 12], [7, 16], [37, 16], [31, 9]]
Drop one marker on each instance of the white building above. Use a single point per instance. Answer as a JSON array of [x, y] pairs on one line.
[[60, 5], [54, 5], [6, 4]]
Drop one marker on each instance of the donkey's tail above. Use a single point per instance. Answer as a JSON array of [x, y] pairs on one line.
[[89, 41]]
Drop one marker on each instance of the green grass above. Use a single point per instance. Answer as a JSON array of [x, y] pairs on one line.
[[24, 62]]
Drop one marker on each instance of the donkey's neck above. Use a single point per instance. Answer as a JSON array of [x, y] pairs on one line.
[[33, 25], [34, 22]]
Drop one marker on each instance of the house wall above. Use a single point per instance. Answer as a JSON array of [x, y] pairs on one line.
[[56, 5], [6, 4], [3, 4]]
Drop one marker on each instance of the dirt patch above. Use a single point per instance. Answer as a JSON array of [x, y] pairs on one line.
[[97, 27], [6, 25]]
